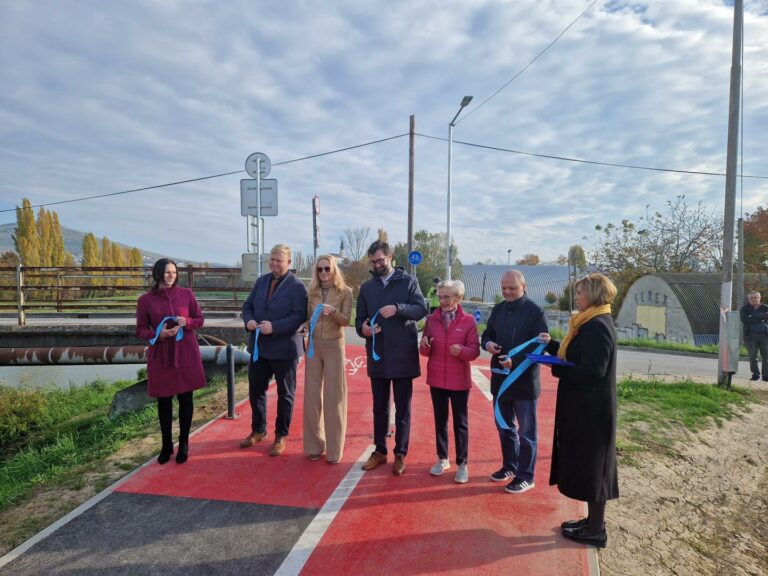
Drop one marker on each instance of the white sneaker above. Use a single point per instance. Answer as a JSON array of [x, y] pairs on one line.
[[462, 474], [440, 466]]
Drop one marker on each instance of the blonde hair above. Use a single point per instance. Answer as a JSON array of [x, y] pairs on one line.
[[338, 277], [281, 249], [454, 286], [598, 288]]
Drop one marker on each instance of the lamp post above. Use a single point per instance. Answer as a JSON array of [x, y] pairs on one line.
[[509, 252], [464, 102]]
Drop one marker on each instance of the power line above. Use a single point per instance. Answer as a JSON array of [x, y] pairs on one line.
[[205, 177], [524, 68], [581, 161]]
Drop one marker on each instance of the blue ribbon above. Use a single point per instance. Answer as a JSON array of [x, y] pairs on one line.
[[376, 357], [312, 324], [161, 325], [255, 355], [512, 376]]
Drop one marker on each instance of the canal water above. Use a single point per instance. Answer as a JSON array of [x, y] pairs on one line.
[[65, 376]]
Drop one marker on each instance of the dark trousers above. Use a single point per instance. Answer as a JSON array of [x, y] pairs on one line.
[[165, 416], [458, 400], [757, 343], [403, 390], [518, 444], [259, 375]]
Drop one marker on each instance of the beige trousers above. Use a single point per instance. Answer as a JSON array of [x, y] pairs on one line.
[[325, 400]]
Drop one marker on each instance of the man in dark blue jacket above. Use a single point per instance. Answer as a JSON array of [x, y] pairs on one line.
[[754, 319], [512, 322], [276, 307], [397, 298]]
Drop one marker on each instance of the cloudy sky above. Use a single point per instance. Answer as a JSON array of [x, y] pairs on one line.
[[101, 97]]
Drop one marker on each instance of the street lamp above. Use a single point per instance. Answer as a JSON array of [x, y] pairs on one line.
[[509, 252], [464, 102]]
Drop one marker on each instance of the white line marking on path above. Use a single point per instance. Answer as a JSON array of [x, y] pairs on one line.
[[482, 382], [308, 541]]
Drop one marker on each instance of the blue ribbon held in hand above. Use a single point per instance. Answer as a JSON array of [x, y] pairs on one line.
[[161, 325], [312, 324], [376, 357], [513, 375], [255, 355]]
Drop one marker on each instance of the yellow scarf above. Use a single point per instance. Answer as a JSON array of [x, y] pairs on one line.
[[577, 321]]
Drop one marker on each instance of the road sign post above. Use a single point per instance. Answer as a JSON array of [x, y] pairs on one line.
[[258, 166]]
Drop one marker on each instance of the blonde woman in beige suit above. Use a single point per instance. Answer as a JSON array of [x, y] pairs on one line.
[[325, 381]]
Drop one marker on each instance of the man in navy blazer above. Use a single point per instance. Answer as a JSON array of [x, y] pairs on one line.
[[276, 307]]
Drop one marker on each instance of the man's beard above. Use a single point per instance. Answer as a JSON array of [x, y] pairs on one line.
[[381, 271]]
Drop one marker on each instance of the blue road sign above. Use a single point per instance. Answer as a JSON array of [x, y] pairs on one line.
[[478, 316], [415, 257]]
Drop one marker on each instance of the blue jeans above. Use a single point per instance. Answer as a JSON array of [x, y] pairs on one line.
[[518, 444]]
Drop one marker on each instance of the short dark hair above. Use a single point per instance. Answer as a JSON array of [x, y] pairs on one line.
[[379, 245], [158, 272]]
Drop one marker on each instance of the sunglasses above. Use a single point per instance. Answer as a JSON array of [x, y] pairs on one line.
[[323, 269]]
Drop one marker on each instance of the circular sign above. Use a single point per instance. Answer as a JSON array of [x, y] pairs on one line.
[[265, 164], [316, 205], [478, 316], [415, 257]]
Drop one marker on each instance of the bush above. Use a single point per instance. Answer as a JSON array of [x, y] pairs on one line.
[[21, 412]]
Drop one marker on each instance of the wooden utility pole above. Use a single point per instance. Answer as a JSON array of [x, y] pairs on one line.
[[725, 362], [411, 167]]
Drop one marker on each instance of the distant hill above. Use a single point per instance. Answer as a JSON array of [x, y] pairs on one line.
[[73, 242]]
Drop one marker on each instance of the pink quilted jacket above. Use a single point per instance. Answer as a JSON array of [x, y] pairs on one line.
[[443, 369]]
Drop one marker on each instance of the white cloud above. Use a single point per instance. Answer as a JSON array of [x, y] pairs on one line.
[[105, 97]]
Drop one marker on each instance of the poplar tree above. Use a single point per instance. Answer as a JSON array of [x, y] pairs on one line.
[[91, 256], [25, 237], [59, 256], [117, 255], [45, 236]]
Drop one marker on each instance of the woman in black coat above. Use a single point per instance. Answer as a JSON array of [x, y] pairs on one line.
[[584, 447]]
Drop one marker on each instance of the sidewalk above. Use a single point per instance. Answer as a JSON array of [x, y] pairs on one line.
[[239, 511]]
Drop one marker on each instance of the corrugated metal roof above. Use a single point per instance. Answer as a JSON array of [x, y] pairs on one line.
[[539, 280], [699, 295]]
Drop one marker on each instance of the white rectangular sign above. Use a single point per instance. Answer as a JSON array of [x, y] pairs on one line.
[[268, 197], [250, 269]]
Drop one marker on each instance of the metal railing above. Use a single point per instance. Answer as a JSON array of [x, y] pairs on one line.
[[87, 291]]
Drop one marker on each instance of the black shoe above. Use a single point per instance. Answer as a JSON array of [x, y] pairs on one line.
[[756, 377], [573, 523], [183, 453], [165, 455], [583, 535]]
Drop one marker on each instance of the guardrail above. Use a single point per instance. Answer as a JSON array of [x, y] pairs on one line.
[[94, 290]]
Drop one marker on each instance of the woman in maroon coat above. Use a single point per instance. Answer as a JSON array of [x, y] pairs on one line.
[[167, 317], [451, 342]]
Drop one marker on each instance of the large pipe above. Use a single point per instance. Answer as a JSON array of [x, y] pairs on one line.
[[103, 355]]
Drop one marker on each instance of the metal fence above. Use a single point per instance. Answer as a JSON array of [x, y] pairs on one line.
[[91, 291]]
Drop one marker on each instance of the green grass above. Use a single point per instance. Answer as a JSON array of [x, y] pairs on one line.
[[77, 435], [653, 414]]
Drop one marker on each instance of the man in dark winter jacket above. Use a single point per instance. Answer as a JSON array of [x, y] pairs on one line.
[[276, 307], [512, 322], [754, 319], [395, 299]]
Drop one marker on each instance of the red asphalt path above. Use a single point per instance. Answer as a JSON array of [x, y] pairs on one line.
[[413, 524]]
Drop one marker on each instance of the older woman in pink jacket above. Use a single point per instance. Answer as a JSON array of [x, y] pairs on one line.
[[450, 340]]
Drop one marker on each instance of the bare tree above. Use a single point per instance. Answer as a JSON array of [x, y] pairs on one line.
[[356, 242], [682, 239]]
